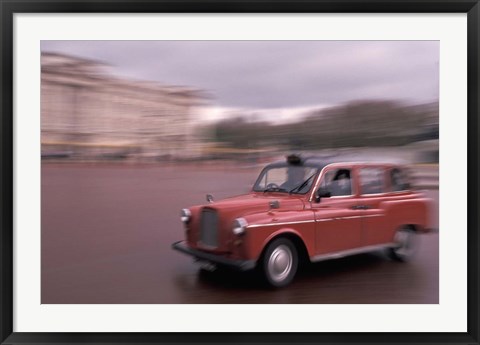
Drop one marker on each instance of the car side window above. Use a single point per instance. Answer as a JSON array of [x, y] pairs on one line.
[[338, 182], [372, 180], [399, 180]]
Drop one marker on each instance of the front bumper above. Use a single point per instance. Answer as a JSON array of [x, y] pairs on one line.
[[241, 265]]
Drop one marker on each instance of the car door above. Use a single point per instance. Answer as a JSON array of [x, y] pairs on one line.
[[338, 225], [372, 193]]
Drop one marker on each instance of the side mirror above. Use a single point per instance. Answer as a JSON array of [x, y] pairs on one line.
[[322, 193]]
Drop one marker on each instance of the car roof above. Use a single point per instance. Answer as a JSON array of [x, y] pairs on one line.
[[321, 162]]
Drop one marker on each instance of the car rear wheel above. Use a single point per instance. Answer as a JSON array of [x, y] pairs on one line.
[[280, 262], [406, 240]]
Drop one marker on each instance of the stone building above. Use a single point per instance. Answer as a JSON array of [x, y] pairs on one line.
[[87, 112]]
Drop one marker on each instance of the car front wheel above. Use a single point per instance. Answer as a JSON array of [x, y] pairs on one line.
[[280, 262], [406, 240]]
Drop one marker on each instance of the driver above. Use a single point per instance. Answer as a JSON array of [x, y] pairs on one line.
[[342, 184]]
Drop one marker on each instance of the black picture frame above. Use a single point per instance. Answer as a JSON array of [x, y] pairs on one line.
[[9, 8]]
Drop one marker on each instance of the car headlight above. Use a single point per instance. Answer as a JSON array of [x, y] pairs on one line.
[[185, 215], [239, 226]]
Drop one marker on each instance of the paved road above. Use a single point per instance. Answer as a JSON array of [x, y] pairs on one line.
[[107, 230]]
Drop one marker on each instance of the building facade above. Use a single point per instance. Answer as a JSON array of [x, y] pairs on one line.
[[87, 112]]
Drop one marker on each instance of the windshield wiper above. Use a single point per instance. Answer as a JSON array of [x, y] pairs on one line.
[[303, 184]]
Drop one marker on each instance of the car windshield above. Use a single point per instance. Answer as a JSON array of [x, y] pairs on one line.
[[286, 179]]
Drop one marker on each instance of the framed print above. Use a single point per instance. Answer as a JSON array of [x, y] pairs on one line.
[[244, 172]]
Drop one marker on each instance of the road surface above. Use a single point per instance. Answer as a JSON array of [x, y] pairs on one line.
[[107, 231]]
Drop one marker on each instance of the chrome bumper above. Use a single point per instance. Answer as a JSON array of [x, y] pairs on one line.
[[241, 265]]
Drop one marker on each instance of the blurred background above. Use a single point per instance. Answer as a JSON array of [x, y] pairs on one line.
[[191, 100], [133, 131]]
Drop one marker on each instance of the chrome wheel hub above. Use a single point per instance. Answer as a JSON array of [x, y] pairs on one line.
[[280, 263]]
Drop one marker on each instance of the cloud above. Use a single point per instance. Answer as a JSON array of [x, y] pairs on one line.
[[275, 74]]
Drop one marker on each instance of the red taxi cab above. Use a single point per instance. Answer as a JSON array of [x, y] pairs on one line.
[[308, 208]]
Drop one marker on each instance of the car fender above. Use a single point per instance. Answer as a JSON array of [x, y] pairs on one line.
[[286, 231], [411, 211]]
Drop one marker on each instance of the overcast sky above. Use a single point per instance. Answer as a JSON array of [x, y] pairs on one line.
[[275, 74]]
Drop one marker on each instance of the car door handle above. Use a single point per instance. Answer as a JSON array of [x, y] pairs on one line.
[[360, 207]]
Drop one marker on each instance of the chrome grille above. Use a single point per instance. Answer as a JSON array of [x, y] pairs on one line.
[[209, 228]]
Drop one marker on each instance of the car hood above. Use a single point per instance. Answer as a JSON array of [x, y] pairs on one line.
[[254, 205], [256, 202]]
